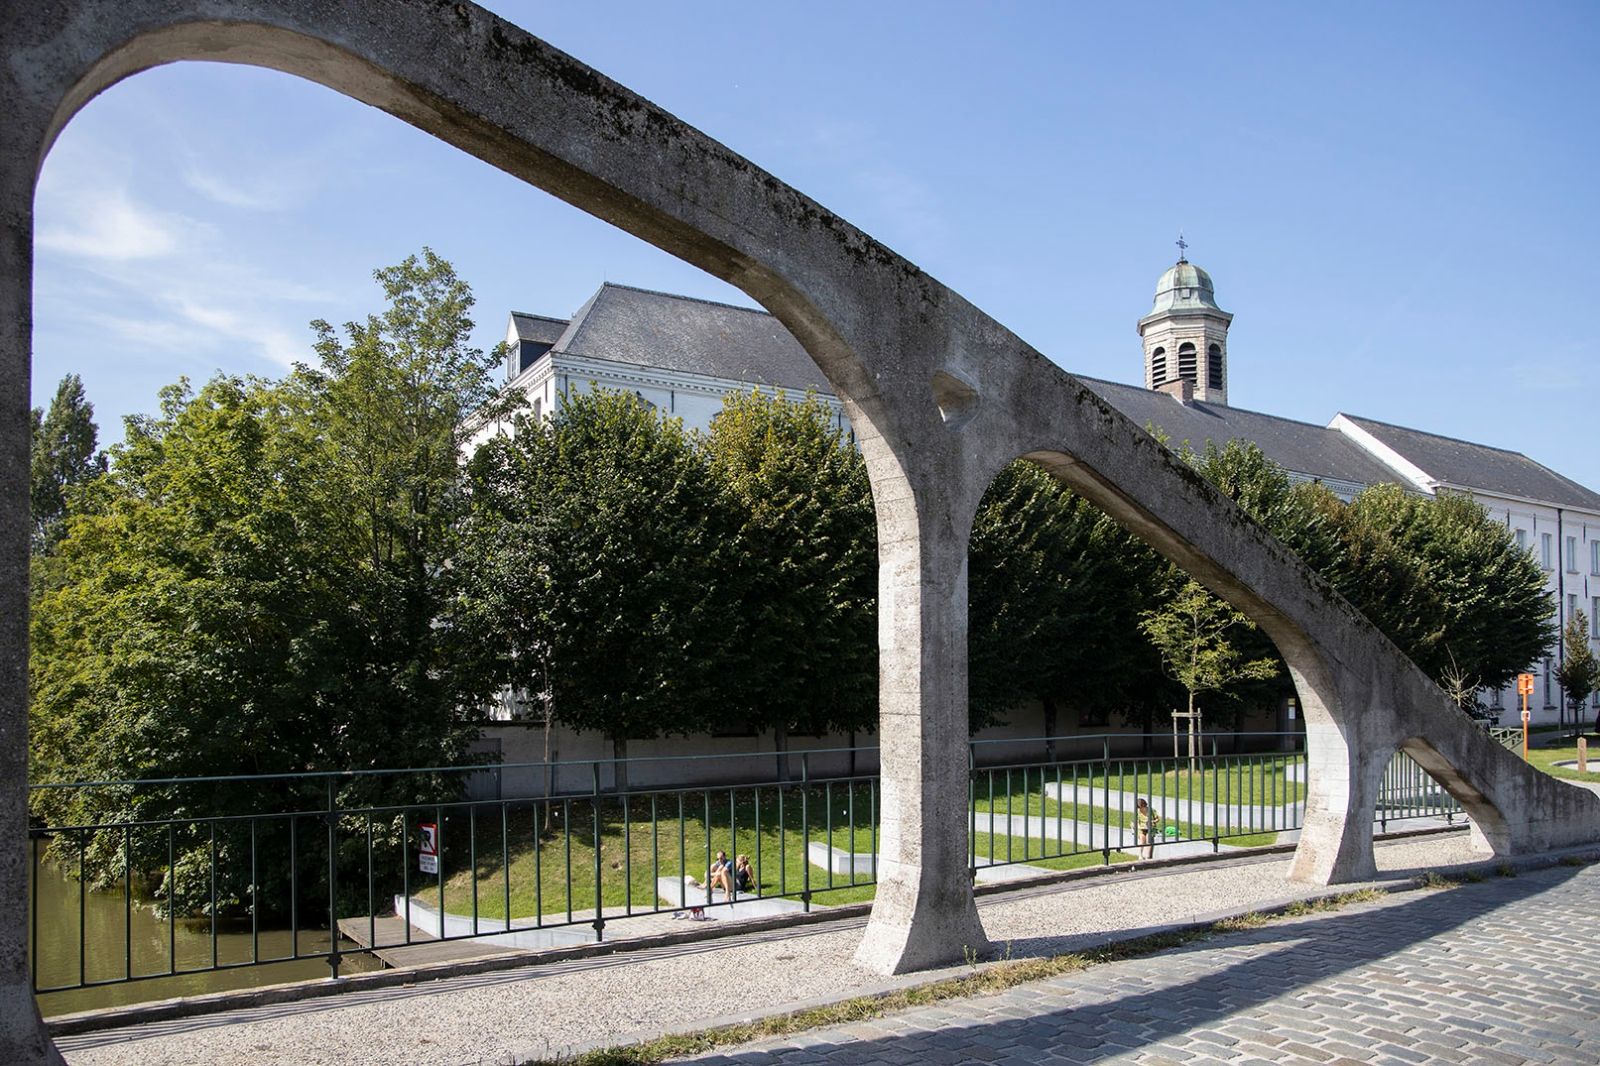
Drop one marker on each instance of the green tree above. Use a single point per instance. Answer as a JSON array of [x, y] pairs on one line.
[[1579, 673], [1054, 591], [603, 547], [1291, 513], [1191, 631], [807, 629], [1444, 581], [65, 458], [391, 410], [263, 588]]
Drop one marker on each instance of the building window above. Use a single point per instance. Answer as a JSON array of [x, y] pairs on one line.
[[1158, 367], [1594, 557], [1214, 366], [1522, 539], [1549, 688], [1187, 369], [538, 409], [1572, 604], [1544, 549], [1572, 555]]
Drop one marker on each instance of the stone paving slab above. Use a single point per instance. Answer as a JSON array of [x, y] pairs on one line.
[[1502, 972]]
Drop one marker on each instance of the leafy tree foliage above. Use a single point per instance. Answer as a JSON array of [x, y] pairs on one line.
[[806, 642], [1579, 673], [64, 459], [1191, 631], [262, 588], [1443, 580], [1054, 591], [602, 545]]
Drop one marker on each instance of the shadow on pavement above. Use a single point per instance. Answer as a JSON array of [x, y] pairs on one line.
[[1307, 952]]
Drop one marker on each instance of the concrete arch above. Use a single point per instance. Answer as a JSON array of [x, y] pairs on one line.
[[940, 394]]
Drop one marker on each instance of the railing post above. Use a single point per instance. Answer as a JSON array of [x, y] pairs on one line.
[[1105, 801], [805, 834], [594, 802], [33, 842], [333, 873], [972, 813], [1216, 824]]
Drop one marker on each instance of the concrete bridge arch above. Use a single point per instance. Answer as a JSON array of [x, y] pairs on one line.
[[941, 397]]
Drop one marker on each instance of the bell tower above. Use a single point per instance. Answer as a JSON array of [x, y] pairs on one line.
[[1186, 335]]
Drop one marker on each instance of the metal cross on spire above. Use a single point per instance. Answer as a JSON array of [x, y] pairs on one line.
[[1183, 247]]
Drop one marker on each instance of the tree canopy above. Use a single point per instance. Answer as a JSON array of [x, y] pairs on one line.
[[599, 548], [261, 584], [64, 459]]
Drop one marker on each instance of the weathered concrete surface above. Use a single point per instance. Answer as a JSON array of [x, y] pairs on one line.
[[941, 397]]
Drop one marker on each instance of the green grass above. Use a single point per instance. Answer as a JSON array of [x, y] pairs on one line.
[[1019, 793], [1546, 758], [632, 857], [553, 872]]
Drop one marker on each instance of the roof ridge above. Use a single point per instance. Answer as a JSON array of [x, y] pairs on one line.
[[530, 314], [1226, 406], [688, 299], [1445, 436]]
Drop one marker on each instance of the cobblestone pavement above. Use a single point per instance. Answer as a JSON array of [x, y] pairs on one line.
[[1503, 971]]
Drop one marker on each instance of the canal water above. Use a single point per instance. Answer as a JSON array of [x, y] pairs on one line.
[[115, 933]]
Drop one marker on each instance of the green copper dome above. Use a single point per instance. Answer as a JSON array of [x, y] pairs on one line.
[[1184, 287]]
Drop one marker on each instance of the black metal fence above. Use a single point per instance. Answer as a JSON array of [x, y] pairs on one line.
[[313, 877]]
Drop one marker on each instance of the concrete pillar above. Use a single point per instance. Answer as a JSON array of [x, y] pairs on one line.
[[22, 1038], [1343, 776], [924, 914]]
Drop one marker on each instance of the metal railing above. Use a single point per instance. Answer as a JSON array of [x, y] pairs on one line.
[[318, 878]]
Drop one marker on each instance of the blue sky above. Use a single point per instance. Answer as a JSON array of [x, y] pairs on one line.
[[1396, 202]]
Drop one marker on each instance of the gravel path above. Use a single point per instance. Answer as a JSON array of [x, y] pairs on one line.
[[540, 1011]]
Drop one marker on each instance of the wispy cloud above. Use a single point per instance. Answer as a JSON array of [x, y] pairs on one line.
[[271, 191], [107, 224], [163, 281]]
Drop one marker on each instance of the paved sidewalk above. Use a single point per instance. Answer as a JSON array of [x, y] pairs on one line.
[[1498, 972], [542, 1011]]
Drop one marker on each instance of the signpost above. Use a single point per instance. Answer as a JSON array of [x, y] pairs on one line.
[[1524, 689], [428, 853]]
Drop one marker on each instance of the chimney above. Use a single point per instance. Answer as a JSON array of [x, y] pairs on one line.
[[1180, 389]]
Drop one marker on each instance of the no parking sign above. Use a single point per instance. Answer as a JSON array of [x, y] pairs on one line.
[[428, 853]]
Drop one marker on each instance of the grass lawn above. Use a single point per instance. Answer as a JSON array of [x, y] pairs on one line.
[[554, 872], [1546, 758], [1181, 800]]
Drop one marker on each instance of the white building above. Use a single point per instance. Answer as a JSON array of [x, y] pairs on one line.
[[682, 355], [678, 354]]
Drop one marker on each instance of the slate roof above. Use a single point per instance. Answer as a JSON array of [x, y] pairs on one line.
[[656, 329], [1300, 447], [540, 329], [642, 327], [1463, 464]]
